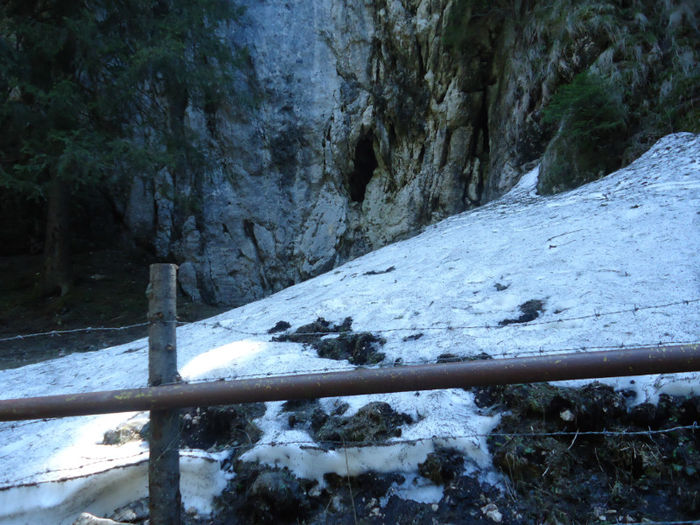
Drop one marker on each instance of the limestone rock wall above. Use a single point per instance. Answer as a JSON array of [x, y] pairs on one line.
[[359, 127]]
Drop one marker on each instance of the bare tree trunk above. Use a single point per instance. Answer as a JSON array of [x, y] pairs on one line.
[[57, 258]]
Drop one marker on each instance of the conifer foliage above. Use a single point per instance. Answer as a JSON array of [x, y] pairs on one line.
[[592, 107], [97, 89]]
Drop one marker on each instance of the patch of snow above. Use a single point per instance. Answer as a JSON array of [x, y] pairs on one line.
[[612, 263], [415, 488], [101, 492]]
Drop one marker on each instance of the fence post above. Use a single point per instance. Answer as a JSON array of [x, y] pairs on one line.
[[164, 461]]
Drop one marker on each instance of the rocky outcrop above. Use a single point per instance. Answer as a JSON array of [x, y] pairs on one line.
[[357, 131], [357, 124]]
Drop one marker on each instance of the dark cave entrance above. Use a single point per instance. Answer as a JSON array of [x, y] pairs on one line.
[[365, 163]]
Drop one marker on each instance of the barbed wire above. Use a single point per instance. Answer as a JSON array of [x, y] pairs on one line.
[[451, 358], [317, 445], [634, 309], [53, 333], [314, 445], [23, 481], [414, 441], [620, 346]]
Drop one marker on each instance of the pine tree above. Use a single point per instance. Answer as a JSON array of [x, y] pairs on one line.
[[98, 89]]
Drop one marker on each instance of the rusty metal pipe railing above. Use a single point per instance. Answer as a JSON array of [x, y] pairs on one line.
[[591, 365]]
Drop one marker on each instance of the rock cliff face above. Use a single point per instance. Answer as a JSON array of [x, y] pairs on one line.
[[356, 132], [361, 123]]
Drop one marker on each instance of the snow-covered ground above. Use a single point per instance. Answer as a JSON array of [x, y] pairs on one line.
[[615, 262]]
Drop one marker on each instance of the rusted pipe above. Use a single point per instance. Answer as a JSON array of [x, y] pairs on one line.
[[583, 365]]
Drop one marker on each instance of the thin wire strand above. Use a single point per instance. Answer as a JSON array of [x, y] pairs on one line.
[[414, 441], [455, 358], [72, 331], [634, 309], [315, 445]]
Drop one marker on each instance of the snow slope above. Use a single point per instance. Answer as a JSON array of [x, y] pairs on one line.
[[615, 263]]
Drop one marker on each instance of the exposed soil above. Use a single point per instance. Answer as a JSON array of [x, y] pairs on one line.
[[561, 478], [606, 477], [221, 427], [373, 423], [109, 291]]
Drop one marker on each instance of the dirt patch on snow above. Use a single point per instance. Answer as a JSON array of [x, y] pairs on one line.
[[360, 348], [529, 311]]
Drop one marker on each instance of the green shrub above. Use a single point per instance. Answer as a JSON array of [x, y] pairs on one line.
[[682, 104], [591, 135], [589, 107]]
